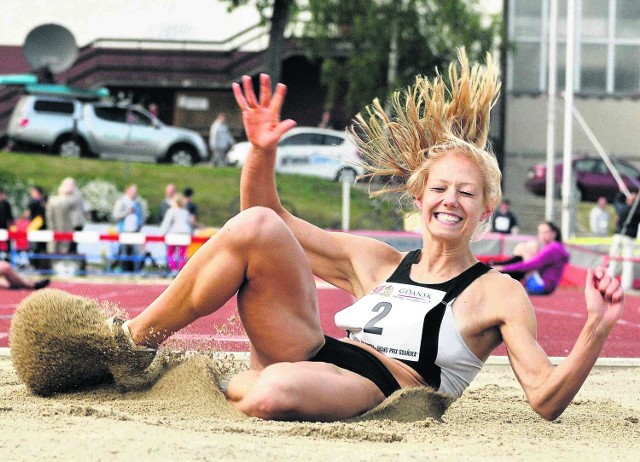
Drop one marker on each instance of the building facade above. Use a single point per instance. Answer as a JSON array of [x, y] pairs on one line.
[[606, 76]]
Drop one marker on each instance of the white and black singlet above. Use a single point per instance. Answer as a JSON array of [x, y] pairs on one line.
[[413, 323]]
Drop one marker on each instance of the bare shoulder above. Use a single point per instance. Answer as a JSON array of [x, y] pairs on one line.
[[507, 299], [498, 297]]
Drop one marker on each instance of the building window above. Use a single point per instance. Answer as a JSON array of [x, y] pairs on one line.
[[526, 66], [628, 19], [595, 19], [607, 50], [593, 73], [627, 69], [527, 17]]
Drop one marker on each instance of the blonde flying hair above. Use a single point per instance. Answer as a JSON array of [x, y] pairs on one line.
[[429, 119]]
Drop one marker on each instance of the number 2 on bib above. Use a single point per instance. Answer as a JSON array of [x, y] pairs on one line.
[[370, 327]]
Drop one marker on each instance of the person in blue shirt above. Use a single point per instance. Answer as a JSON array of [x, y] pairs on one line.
[[130, 214]]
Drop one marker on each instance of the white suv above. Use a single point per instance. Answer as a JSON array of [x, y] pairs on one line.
[[73, 128]]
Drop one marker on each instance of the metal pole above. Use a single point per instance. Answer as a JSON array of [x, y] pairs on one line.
[[551, 112], [605, 157], [567, 167], [346, 204]]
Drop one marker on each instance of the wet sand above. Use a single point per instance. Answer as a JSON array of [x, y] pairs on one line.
[[185, 417]]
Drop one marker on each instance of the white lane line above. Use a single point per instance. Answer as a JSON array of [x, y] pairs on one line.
[[622, 322]]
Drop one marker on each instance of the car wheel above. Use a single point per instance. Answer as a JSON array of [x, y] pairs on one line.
[[346, 174], [70, 147], [182, 155]]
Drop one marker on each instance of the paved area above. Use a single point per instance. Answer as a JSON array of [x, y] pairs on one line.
[[561, 316]]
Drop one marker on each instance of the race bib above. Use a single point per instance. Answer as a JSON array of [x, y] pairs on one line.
[[391, 318]]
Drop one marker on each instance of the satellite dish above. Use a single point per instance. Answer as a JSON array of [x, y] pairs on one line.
[[50, 49]]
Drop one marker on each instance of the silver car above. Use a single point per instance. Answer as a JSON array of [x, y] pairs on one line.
[[72, 128]]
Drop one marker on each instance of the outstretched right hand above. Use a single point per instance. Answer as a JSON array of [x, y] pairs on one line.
[[261, 118]]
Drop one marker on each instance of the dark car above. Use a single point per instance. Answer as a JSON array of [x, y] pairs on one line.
[[593, 178]]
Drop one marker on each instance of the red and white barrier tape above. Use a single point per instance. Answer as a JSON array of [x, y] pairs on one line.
[[90, 237]]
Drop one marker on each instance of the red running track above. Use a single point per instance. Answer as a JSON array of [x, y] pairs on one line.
[[560, 317]]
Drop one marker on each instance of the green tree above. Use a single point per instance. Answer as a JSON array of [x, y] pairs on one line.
[[276, 13], [368, 48], [386, 43]]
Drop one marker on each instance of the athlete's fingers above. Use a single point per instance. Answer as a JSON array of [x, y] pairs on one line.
[[278, 98], [265, 90], [618, 295], [604, 280], [613, 291], [240, 99], [284, 127], [609, 288], [249, 94]]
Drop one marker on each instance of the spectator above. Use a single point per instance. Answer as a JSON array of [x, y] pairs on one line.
[[504, 220], [191, 206], [36, 214], [220, 140], [177, 220], [325, 120], [130, 214], [6, 220], [624, 235], [66, 211], [11, 279], [599, 218], [169, 192], [539, 264]]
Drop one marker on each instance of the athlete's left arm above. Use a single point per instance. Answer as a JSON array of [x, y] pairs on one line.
[[550, 389]]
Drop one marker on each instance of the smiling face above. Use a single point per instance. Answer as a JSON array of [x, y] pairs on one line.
[[453, 202]]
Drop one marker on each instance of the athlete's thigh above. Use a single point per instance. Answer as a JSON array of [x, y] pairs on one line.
[[278, 300]]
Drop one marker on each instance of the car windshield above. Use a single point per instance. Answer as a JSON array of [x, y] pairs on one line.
[[587, 165], [302, 139], [625, 170]]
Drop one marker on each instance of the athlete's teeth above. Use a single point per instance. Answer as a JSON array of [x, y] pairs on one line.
[[448, 218]]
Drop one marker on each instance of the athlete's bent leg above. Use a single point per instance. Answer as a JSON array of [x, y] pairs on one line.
[[303, 391], [256, 255]]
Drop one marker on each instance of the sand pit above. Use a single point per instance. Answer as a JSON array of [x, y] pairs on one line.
[[184, 417]]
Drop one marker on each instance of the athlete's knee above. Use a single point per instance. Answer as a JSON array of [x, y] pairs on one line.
[[5, 267], [256, 225], [273, 396]]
